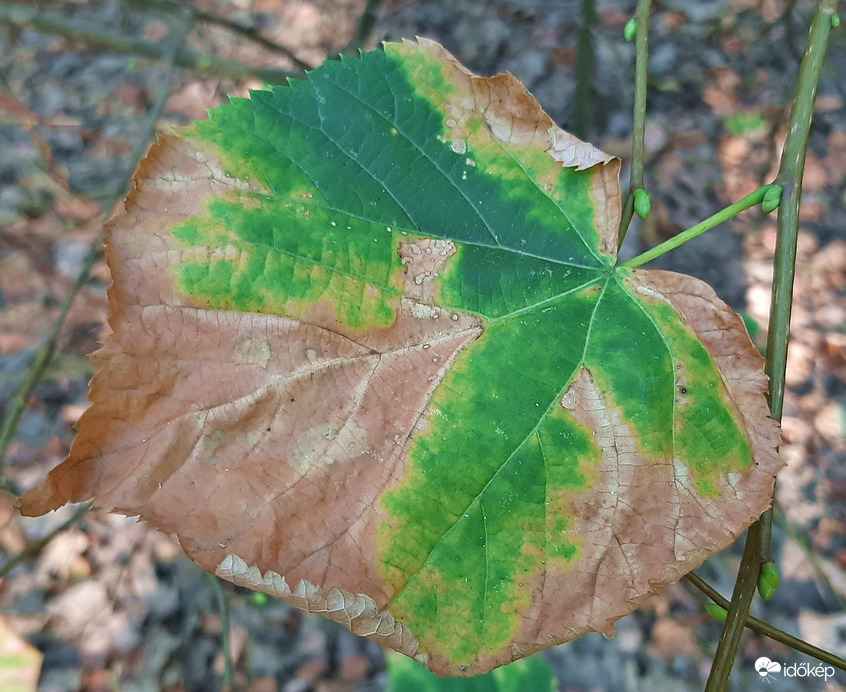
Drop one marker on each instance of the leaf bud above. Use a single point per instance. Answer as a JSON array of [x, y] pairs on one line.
[[768, 580], [716, 611], [772, 198], [642, 203]]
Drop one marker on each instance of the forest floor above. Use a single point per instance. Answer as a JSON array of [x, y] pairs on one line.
[[111, 604]]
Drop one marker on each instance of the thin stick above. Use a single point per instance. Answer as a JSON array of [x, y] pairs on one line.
[[48, 349], [37, 546], [790, 178], [639, 132], [26, 16], [585, 68], [738, 612], [767, 629], [365, 27], [225, 632], [254, 35]]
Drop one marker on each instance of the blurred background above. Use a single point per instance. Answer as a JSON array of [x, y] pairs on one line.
[[107, 603]]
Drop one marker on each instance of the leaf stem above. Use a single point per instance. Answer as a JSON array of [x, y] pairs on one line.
[[639, 131], [790, 178], [767, 629], [720, 217]]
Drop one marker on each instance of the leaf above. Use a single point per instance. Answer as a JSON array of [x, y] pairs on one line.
[[20, 662], [372, 355], [532, 673]]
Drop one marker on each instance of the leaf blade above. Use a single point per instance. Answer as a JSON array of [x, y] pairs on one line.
[[423, 413]]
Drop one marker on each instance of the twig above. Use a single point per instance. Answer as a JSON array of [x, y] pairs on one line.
[[639, 132], [812, 558], [42, 359], [365, 27], [790, 178], [37, 546], [225, 632], [790, 28], [585, 67], [250, 32], [738, 612], [24, 16], [47, 350], [767, 629]]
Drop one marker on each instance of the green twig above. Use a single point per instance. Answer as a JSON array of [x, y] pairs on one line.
[[790, 178], [28, 16], [639, 132], [225, 632], [48, 349], [365, 27], [585, 68], [729, 212], [37, 546], [767, 629], [738, 612]]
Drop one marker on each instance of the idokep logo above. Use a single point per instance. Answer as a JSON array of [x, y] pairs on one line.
[[767, 668], [771, 670]]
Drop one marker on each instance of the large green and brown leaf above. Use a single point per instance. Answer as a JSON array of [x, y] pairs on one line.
[[372, 355]]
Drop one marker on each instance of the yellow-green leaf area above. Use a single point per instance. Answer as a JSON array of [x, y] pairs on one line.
[[674, 379], [707, 435], [280, 256], [354, 145], [502, 491], [620, 329]]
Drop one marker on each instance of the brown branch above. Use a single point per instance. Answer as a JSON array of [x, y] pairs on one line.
[[23, 16], [249, 32]]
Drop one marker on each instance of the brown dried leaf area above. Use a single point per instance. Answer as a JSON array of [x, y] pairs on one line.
[[232, 431]]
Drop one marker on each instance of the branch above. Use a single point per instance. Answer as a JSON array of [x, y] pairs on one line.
[[758, 538], [249, 32], [585, 68], [639, 132], [48, 349], [365, 27], [767, 629], [225, 632], [37, 546], [23, 16]]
